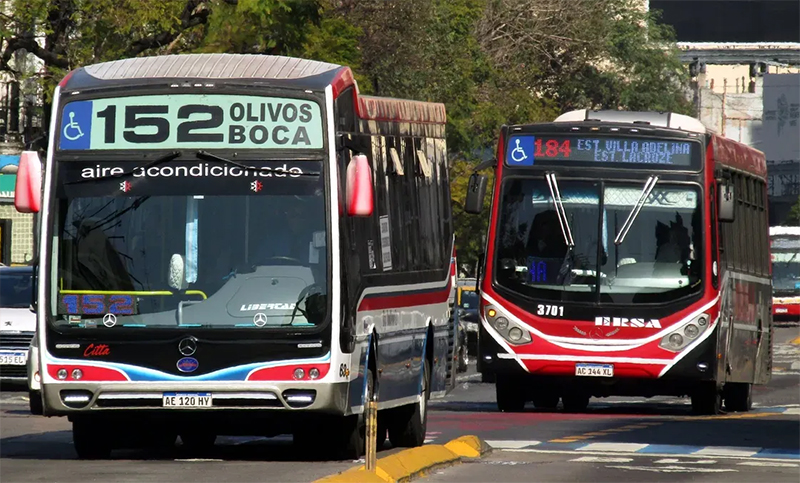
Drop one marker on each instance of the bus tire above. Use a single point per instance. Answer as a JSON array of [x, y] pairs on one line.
[[510, 399], [89, 440], [738, 396], [575, 403], [488, 377], [546, 401], [707, 399], [407, 429], [35, 403], [351, 430]]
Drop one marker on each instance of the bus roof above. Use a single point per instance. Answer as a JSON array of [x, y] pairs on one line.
[[669, 120], [784, 230], [276, 70]]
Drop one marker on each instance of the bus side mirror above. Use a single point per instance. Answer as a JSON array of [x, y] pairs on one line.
[[476, 191], [28, 190], [359, 186], [726, 202]]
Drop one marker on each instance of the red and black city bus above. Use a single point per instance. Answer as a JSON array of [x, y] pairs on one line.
[[785, 249], [627, 254], [240, 244]]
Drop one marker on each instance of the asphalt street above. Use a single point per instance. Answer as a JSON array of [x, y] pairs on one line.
[[616, 439]]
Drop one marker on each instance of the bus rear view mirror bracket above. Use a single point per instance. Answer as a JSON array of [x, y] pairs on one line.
[[726, 202], [359, 186]]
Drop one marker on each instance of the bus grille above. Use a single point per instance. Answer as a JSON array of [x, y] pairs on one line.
[[16, 372], [15, 340]]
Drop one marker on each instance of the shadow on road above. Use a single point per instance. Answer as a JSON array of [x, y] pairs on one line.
[[57, 445]]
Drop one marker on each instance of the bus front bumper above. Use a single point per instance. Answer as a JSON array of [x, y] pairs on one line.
[[280, 397]]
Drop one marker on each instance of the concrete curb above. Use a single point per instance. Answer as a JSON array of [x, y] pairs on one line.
[[414, 462]]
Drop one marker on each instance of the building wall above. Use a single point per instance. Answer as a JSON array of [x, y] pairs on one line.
[[21, 233], [763, 112]]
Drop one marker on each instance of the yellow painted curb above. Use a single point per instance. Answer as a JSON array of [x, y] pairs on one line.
[[413, 462]]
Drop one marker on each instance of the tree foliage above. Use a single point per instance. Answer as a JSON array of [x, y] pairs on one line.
[[793, 219], [492, 62]]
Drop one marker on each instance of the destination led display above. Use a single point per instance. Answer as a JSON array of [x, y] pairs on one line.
[[191, 121], [526, 150]]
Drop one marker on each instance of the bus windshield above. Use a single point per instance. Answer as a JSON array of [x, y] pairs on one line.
[[655, 262], [167, 252], [785, 265]]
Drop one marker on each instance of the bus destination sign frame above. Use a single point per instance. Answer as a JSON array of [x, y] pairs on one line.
[[527, 150], [187, 121]]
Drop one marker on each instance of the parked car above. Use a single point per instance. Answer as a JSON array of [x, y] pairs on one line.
[[17, 322]]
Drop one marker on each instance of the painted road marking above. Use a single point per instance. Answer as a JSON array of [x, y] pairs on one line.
[[674, 469], [602, 459], [506, 444], [604, 432], [770, 464], [727, 451], [672, 461], [659, 450], [620, 447]]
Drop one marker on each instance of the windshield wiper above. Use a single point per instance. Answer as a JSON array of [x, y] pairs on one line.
[[562, 214], [155, 162], [304, 295], [213, 157], [648, 188]]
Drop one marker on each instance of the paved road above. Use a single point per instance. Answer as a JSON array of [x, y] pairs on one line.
[[616, 439], [628, 439]]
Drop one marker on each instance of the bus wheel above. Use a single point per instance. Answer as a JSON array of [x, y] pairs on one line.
[[707, 399], [408, 426], [510, 399], [35, 403], [198, 441], [575, 403], [350, 431], [738, 396], [546, 401], [90, 440]]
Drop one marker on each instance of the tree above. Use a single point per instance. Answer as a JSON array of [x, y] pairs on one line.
[[793, 219]]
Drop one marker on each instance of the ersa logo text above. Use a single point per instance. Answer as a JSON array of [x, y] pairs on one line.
[[625, 322]]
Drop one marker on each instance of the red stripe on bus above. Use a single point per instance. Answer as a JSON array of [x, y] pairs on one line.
[[405, 300]]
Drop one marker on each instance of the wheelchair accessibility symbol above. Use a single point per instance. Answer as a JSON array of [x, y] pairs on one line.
[[72, 130], [518, 154], [76, 126], [520, 151]]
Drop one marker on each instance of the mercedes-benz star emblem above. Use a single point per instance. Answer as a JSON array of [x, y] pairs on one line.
[[260, 319], [187, 346], [109, 320]]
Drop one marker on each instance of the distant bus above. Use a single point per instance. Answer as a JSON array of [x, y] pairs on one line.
[[240, 244], [785, 247], [627, 254]]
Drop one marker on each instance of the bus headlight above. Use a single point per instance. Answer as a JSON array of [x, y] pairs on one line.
[[507, 328], [682, 336]]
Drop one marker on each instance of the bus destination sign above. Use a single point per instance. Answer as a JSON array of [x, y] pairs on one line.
[[191, 121], [526, 150]]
